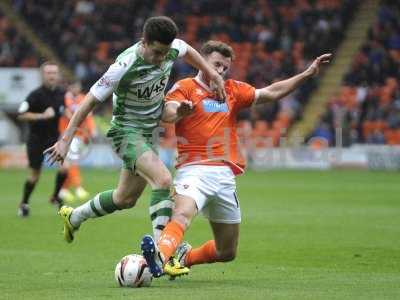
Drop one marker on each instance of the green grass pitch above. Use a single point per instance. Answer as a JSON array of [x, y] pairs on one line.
[[304, 235]]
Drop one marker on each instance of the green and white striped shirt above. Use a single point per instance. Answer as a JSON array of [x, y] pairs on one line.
[[137, 87]]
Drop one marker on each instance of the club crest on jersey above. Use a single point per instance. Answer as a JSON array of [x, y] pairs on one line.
[[104, 81], [212, 106]]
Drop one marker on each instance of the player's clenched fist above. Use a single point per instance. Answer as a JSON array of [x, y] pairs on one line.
[[185, 108]]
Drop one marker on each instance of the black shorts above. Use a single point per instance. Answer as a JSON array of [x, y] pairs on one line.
[[35, 153]]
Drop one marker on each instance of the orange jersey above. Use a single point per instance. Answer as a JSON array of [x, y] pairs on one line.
[[209, 134], [71, 104]]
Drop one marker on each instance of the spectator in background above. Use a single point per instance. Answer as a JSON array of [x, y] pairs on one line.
[[370, 89], [282, 36], [72, 189], [14, 49], [323, 131]]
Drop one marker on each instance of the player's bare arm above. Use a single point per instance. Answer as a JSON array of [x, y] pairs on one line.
[[60, 149], [194, 58], [280, 89], [68, 113], [32, 117], [174, 111]]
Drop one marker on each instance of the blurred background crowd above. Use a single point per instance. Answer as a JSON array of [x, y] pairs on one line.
[[272, 41]]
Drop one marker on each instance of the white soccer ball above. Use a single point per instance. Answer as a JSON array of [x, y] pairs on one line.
[[132, 271]]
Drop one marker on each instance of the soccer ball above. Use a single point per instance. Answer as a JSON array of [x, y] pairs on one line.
[[132, 271]]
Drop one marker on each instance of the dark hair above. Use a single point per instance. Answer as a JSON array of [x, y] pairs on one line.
[[161, 29], [217, 46], [48, 63]]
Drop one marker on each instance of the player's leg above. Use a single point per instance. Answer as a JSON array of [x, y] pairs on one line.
[[61, 176], [30, 183], [72, 189], [137, 152], [184, 212], [226, 238], [75, 175], [224, 214], [76, 183], [29, 186], [221, 249], [130, 185], [129, 189], [65, 194], [150, 167], [188, 199], [158, 254], [35, 159]]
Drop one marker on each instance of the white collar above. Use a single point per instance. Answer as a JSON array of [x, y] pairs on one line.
[[202, 83]]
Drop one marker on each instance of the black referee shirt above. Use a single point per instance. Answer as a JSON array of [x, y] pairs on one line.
[[44, 131]]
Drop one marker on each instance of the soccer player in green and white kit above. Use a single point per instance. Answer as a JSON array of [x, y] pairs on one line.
[[137, 81]]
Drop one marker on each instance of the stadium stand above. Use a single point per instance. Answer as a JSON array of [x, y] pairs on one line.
[[272, 40], [87, 35], [367, 106], [15, 50]]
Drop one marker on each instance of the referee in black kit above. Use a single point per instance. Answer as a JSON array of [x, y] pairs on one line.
[[42, 110]]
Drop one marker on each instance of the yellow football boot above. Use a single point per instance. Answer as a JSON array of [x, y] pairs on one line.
[[174, 269], [65, 212]]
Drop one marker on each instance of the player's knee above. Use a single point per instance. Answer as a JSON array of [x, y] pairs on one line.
[[124, 201], [164, 181], [128, 203], [182, 218], [226, 255], [33, 178]]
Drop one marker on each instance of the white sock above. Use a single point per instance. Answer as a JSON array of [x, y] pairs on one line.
[[159, 225], [81, 213]]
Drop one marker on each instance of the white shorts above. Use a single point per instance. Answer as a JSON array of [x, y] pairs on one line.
[[213, 188]]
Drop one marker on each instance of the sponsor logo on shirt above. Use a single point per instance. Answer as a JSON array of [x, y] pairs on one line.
[[212, 106], [151, 90], [143, 92]]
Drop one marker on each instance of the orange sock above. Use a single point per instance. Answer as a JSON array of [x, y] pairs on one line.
[[206, 253], [67, 183], [75, 176], [170, 238]]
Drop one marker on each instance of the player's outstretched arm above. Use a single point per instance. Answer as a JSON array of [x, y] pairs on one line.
[[282, 88], [193, 58], [174, 111], [60, 149]]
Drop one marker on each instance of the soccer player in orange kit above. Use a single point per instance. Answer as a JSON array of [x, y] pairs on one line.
[[209, 159], [73, 98]]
